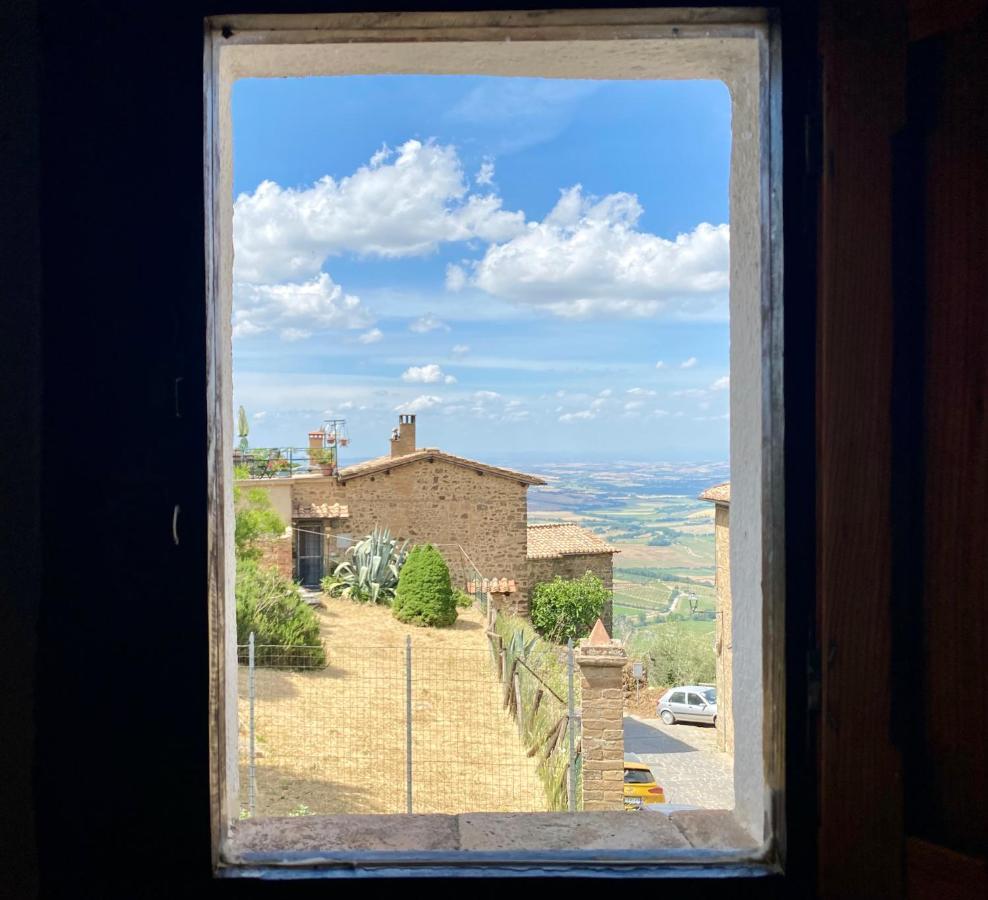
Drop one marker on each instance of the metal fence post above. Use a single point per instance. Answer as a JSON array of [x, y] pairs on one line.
[[251, 784], [408, 722], [571, 729]]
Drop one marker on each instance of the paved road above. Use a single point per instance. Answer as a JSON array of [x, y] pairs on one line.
[[684, 759]]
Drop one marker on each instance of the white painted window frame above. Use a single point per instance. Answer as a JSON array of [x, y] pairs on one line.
[[738, 46]]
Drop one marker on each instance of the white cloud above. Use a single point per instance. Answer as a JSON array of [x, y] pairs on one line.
[[660, 365], [690, 392], [460, 349], [404, 202], [522, 112], [721, 384], [259, 415], [456, 277], [587, 258], [486, 395], [689, 363], [581, 416], [429, 374], [295, 334], [427, 323], [633, 404], [371, 337], [606, 392], [296, 310], [641, 392], [419, 404], [246, 328], [486, 173]]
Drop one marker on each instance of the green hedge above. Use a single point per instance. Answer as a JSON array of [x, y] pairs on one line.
[[286, 631], [425, 595], [568, 609]]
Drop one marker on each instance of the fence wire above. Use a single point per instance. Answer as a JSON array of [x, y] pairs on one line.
[[398, 729]]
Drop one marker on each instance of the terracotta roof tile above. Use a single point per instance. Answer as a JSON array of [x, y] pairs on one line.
[[492, 586], [383, 463], [549, 541], [719, 493]]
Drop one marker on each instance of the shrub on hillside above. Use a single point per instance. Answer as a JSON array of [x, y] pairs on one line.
[[676, 655], [286, 631], [424, 595], [463, 599], [564, 609]]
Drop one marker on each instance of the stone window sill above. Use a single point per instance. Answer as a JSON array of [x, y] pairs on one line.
[[343, 843]]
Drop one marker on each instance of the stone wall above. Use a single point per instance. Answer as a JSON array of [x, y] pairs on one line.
[[439, 503], [723, 638], [601, 564], [277, 553], [601, 662]]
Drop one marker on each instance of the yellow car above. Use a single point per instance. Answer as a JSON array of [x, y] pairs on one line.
[[640, 789]]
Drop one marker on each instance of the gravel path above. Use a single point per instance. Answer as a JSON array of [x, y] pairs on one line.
[[684, 759]]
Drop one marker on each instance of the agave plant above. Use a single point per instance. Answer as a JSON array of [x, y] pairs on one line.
[[370, 571]]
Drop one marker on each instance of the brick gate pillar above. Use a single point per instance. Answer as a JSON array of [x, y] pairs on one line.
[[601, 661]]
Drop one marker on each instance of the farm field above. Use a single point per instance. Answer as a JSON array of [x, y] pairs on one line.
[[651, 513]]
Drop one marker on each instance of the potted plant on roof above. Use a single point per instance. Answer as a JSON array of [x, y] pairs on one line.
[[270, 463], [324, 458]]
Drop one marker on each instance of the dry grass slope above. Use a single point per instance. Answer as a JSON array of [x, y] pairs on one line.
[[334, 740]]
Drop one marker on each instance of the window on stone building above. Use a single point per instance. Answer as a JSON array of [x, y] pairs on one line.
[[501, 297]]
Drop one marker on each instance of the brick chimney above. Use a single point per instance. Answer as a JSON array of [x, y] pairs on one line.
[[403, 437]]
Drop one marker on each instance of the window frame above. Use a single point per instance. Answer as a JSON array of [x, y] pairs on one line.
[[556, 25]]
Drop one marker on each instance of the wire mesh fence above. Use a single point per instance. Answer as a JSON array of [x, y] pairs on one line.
[[400, 729]]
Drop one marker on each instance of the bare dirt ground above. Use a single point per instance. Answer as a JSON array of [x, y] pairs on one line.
[[334, 740], [646, 702]]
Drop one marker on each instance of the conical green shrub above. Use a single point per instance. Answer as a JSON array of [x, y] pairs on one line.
[[424, 595]]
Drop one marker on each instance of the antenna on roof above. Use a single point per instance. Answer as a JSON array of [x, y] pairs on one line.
[[324, 445]]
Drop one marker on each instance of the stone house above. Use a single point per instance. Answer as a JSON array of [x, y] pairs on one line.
[[474, 513], [720, 496]]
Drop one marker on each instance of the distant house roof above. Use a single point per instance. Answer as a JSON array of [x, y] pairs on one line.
[[385, 463], [719, 493], [321, 511], [549, 541]]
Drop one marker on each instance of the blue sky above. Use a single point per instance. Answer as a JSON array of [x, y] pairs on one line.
[[527, 264]]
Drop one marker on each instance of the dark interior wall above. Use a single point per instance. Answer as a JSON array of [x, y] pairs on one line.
[[109, 715], [20, 433]]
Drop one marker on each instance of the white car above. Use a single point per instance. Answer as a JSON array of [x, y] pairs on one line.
[[688, 703]]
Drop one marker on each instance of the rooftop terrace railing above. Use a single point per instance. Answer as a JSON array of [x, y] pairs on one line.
[[284, 462]]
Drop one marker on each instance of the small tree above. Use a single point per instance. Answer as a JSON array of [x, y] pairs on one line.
[[268, 603], [254, 519], [567, 609], [425, 595]]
